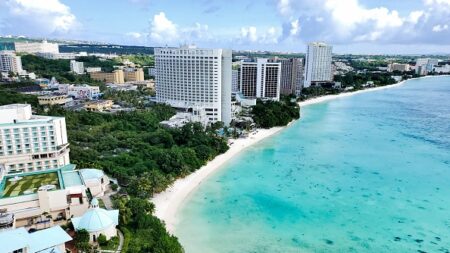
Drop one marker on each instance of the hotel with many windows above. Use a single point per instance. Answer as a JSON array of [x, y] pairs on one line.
[[260, 79], [30, 142], [318, 64], [195, 80]]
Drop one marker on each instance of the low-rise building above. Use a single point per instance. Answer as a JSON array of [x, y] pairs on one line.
[[97, 221], [54, 100], [117, 76], [83, 91], [93, 69], [398, 67], [147, 84], [50, 240], [122, 87], [182, 118], [42, 199], [36, 47], [131, 75], [95, 180], [98, 105], [77, 67], [61, 56]]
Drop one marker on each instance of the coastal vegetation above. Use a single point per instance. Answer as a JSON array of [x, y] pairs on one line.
[[133, 147], [144, 156], [143, 232], [267, 114], [357, 80]]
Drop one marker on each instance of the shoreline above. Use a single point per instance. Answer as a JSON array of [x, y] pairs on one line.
[[168, 202]]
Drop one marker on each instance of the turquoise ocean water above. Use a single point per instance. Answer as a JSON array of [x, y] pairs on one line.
[[366, 173]]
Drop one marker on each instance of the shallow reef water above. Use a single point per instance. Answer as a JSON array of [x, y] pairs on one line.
[[365, 173]]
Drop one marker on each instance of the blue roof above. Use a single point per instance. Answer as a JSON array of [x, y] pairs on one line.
[[96, 219], [11, 240], [47, 238], [71, 178], [91, 174], [19, 238]]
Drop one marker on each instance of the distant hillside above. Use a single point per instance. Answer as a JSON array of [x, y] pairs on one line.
[[105, 49], [67, 46]]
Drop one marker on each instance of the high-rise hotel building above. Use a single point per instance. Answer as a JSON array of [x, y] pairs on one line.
[[291, 74], [9, 62], [260, 79], [30, 142], [194, 79], [318, 64]]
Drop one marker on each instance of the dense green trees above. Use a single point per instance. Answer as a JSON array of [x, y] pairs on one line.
[[269, 114], [127, 98], [11, 97], [134, 148], [82, 240], [60, 69], [140, 59], [145, 157], [93, 61], [144, 232], [357, 80]]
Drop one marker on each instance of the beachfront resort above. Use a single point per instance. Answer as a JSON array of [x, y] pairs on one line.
[[41, 191], [289, 125]]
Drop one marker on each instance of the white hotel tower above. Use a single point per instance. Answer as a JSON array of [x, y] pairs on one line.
[[318, 64], [194, 79], [31, 142]]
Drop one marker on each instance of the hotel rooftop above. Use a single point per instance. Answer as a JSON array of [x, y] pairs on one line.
[[50, 240]]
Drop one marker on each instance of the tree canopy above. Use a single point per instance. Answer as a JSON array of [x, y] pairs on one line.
[[267, 114]]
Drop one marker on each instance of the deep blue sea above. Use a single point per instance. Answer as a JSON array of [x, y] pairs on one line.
[[366, 173]]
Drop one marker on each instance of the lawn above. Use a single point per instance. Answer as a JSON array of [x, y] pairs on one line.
[[29, 184]]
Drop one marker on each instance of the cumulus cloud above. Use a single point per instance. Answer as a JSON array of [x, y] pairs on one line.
[[250, 34], [295, 27], [349, 21], [440, 28], [164, 31], [38, 18], [135, 35]]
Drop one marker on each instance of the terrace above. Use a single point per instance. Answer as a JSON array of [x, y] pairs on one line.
[[29, 184]]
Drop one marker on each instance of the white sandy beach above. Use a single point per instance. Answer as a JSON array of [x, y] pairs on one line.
[[168, 202], [346, 94]]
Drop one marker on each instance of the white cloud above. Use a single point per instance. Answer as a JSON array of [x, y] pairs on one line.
[[295, 27], [415, 16], [437, 2], [284, 6], [38, 17], [251, 34], [164, 31], [349, 21], [349, 15], [135, 35], [439, 28]]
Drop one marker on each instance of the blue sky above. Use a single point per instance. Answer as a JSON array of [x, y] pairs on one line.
[[352, 26]]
